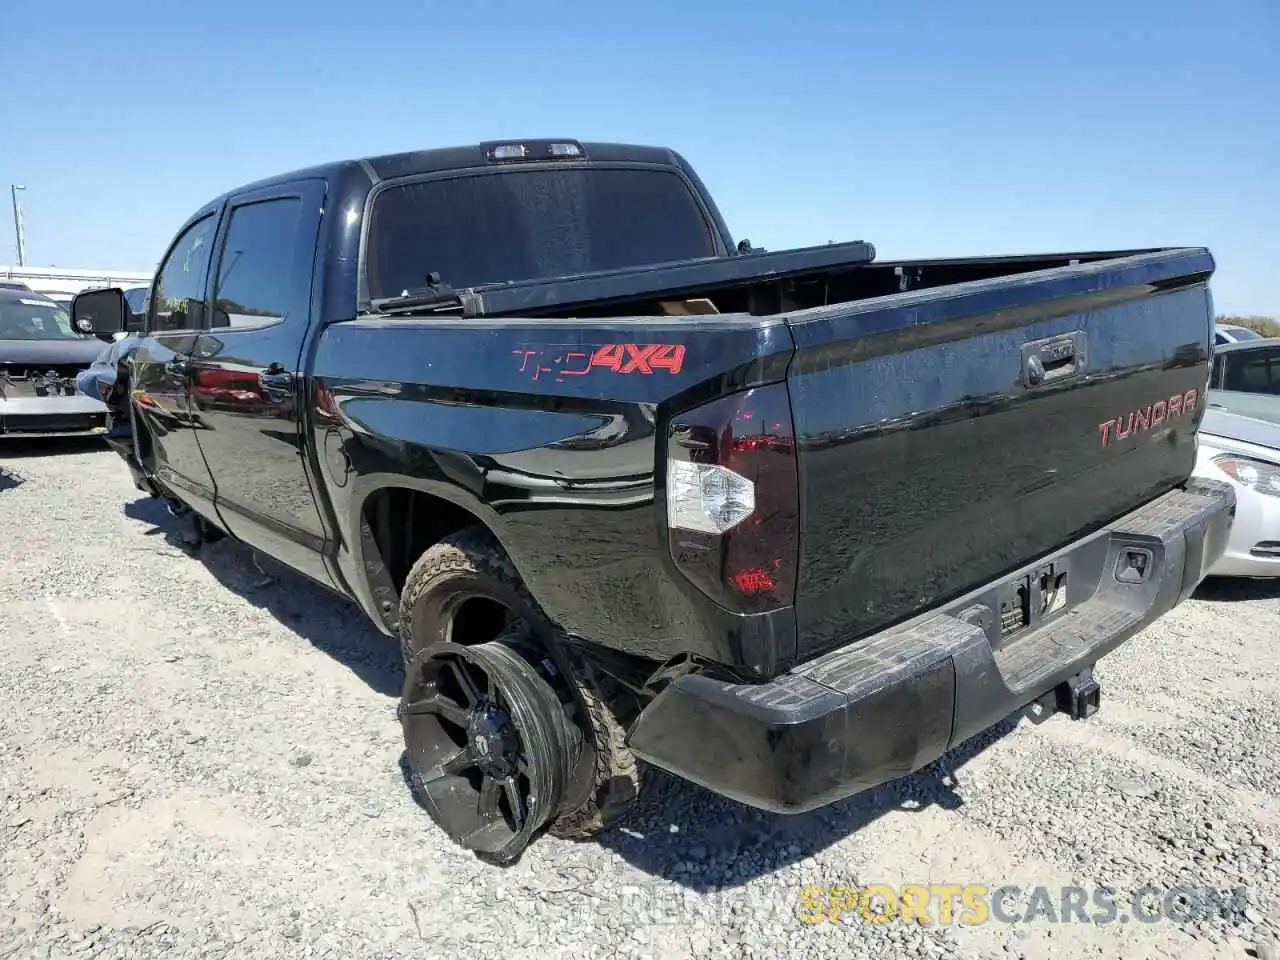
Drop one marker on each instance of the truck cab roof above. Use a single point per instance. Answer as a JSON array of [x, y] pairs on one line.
[[354, 185], [412, 163]]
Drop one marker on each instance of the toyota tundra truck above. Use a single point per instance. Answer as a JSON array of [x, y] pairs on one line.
[[787, 524]]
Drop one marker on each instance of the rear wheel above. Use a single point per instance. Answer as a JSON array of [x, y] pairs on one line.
[[502, 738], [488, 747]]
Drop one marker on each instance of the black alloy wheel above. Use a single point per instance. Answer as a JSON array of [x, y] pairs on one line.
[[488, 744]]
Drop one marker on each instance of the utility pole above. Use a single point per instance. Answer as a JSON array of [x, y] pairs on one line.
[[17, 224]]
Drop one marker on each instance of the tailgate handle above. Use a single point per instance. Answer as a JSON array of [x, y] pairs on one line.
[[1054, 359]]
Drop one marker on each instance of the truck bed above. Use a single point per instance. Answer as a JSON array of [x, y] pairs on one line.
[[932, 455], [758, 283]]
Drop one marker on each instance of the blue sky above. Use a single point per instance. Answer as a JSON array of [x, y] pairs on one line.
[[928, 128]]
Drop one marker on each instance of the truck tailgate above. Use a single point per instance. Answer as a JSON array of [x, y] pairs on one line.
[[947, 436]]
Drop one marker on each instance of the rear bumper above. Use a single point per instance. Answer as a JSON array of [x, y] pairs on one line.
[[887, 705]]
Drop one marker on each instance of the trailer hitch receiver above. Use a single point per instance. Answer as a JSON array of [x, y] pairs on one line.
[[1080, 695]]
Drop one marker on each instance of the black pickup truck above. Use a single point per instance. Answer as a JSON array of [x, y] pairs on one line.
[[787, 524]]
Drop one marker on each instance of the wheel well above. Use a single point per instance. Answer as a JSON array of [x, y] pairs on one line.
[[405, 522]]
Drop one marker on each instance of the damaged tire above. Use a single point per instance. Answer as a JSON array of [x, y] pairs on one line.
[[485, 670]]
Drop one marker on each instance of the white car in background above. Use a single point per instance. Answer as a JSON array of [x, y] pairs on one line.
[[1233, 333], [1245, 452]]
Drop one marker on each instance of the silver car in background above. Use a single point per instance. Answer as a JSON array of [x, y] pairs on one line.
[[1246, 378], [41, 355], [1245, 452], [1233, 333]]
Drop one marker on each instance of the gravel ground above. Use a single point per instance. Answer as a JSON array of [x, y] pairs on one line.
[[197, 760]]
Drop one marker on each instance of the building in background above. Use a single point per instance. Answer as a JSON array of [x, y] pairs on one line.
[[63, 283]]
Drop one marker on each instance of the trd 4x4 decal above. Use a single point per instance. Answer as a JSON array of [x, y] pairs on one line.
[[621, 358]]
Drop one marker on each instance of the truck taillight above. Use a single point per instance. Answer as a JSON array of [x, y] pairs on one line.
[[733, 500]]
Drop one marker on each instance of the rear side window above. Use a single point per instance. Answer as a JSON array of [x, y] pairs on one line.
[[527, 224], [1252, 371], [255, 282]]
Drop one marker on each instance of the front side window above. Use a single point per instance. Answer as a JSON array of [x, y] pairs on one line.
[[177, 300], [255, 283], [526, 224]]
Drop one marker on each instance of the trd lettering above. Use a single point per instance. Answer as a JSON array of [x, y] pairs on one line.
[[623, 358]]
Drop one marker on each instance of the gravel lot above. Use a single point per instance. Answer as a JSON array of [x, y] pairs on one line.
[[195, 762]]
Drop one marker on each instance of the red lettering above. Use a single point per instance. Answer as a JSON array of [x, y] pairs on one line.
[[609, 356], [638, 358], [669, 357], [643, 358], [1137, 421], [524, 356], [576, 373]]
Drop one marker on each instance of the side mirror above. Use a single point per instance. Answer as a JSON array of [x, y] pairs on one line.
[[100, 312]]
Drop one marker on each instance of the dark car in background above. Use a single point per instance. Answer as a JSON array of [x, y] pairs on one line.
[[138, 298], [41, 354]]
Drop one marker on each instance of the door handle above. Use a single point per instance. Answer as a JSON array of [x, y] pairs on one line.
[[1056, 358]]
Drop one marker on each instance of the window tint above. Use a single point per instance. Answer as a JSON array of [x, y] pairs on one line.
[[519, 225], [255, 274], [177, 302], [1253, 371], [1220, 339]]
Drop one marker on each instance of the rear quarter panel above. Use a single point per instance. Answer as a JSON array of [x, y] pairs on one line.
[[510, 420]]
